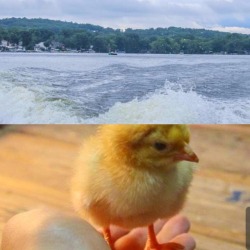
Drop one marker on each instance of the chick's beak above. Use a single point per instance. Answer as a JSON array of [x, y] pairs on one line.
[[186, 154]]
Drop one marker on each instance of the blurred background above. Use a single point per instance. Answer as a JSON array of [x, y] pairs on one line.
[[36, 166]]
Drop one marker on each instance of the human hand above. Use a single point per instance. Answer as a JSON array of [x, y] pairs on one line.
[[174, 230], [46, 229], [42, 229]]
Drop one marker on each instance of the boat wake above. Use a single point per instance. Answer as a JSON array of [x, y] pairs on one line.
[[172, 104], [169, 104], [20, 105]]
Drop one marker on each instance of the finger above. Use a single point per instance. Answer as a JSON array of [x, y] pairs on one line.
[[185, 240], [175, 226], [135, 239], [117, 232], [159, 224]]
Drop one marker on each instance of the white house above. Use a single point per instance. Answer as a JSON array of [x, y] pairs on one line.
[[40, 47], [4, 43]]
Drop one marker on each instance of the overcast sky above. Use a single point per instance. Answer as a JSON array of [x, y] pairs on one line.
[[228, 15]]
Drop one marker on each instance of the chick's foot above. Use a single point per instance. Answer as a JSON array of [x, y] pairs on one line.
[[108, 238], [152, 243]]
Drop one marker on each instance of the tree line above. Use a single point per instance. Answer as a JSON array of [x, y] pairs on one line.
[[82, 36]]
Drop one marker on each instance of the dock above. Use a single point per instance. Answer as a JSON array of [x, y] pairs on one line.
[[36, 166]]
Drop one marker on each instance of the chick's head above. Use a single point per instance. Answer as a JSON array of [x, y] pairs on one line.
[[147, 146]]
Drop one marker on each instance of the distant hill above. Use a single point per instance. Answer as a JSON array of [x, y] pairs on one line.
[[39, 23], [71, 35], [57, 25]]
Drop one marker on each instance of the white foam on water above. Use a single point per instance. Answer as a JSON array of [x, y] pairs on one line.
[[20, 105], [171, 104], [176, 106]]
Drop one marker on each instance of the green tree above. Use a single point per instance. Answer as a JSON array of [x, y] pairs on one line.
[[26, 37], [144, 45], [132, 43], [112, 42], [164, 45], [158, 46], [100, 44], [14, 36], [120, 42], [81, 40], [217, 45]]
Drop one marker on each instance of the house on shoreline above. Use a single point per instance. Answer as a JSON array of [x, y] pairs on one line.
[[6, 46], [54, 46], [40, 47]]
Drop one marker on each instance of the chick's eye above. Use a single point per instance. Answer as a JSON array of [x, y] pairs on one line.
[[160, 146]]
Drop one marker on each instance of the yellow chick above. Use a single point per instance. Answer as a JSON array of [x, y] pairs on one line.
[[132, 175]]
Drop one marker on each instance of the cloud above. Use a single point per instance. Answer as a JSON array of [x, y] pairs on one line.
[[232, 29], [28, 8], [135, 13]]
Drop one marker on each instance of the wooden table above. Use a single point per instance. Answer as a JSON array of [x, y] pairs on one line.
[[36, 164]]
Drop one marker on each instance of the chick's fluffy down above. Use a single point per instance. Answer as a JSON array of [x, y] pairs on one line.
[[111, 186]]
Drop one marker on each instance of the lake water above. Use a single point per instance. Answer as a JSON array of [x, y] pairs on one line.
[[128, 88]]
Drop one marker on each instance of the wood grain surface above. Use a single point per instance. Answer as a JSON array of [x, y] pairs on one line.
[[36, 165]]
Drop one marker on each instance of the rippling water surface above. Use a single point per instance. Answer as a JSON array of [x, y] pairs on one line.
[[98, 88]]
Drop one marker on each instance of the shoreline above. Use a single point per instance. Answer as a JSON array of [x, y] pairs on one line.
[[119, 53]]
